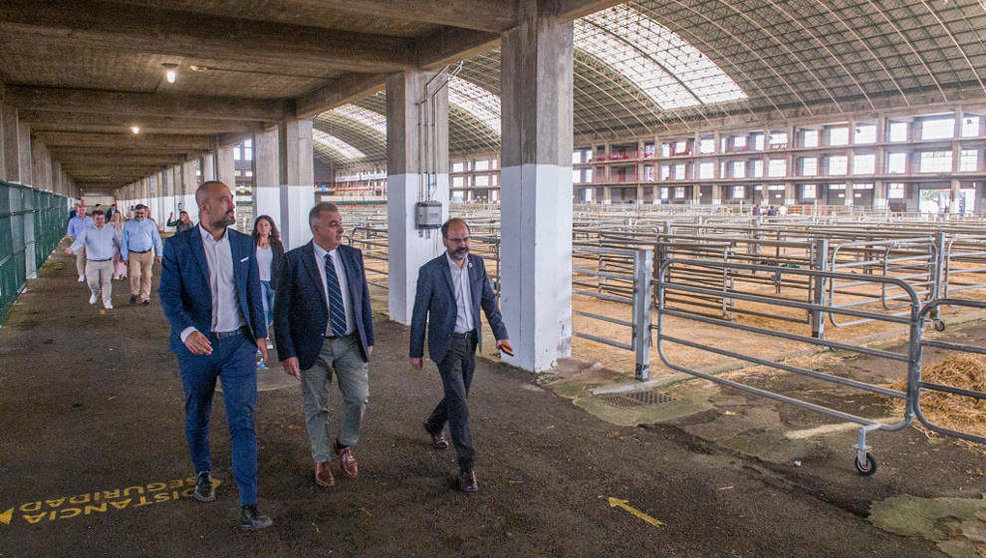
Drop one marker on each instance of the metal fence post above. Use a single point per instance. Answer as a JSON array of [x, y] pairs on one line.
[[816, 290], [643, 279], [939, 272]]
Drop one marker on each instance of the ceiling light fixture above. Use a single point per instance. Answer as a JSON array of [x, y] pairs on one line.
[[170, 72], [135, 129]]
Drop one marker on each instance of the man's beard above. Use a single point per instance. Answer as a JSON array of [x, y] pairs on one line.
[[228, 219], [459, 253]]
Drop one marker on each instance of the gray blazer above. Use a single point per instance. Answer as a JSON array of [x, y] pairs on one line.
[[434, 304]]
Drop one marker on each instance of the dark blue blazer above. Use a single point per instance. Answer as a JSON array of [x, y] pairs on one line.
[[301, 314], [434, 303], [186, 297]]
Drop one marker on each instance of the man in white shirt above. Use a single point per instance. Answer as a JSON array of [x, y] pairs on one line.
[[97, 243], [324, 324], [210, 293]]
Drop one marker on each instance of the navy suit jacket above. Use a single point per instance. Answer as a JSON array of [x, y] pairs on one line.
[[301, 314], [434, 303], [186, 296]]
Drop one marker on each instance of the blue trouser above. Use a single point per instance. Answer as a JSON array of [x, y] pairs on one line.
[[234, 362], [267, 297]]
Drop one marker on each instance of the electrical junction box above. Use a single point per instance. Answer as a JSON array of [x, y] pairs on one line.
[[428, 215]]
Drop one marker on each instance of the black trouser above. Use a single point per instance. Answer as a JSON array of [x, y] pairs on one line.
[[456, 371]]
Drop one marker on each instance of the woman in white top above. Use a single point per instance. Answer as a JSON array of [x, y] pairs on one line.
[[270, 256], [119, 266]]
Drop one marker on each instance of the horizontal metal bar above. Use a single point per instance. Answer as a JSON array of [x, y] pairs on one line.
[[603, 318], [603, 297], [953, 390], [603, 340], [953, 346]]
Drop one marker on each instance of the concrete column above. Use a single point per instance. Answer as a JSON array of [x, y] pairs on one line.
[[955, 190], [536, 209], [417, 170], [188, 186], [208, 166], [11, 144], [790, 194], [25, 161], [717, 194], [296, 164], [879, 194], [225, 167], [266, 175]]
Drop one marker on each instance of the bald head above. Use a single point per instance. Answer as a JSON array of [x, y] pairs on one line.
[[217, 209]]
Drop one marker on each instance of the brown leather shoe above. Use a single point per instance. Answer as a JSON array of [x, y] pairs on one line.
[[323, 475], [348, 461]]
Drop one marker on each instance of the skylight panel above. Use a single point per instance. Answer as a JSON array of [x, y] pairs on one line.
[[477, 101], [667, 68], [343, 149], [364, 116]]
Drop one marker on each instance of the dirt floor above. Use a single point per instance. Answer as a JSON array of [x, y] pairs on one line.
[[95, 463]]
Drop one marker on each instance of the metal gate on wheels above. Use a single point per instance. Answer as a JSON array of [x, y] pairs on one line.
[[857, 302]]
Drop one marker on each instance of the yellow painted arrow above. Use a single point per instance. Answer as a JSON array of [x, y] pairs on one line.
[[6, 516], [617, 503]]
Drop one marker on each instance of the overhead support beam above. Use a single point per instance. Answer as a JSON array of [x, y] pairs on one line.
[[343, 89], [570, 10], [448, 46], [159, 142], [135, 105], [89, 122], [278, 46], [109, 157]]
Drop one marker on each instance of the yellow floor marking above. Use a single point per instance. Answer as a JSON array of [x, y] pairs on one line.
[[617, 503], [6, 516]]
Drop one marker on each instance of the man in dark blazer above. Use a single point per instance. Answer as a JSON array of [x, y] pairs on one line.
[[451, 289], [210, 292], [324, 324]]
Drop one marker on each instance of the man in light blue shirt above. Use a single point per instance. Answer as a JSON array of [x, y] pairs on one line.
[[140, 236], [97, 242], [76, 225]]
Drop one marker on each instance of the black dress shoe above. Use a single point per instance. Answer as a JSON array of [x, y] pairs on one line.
[[145, 303], [437, 440], [467, 481], [204, 490], [133, 299], [252, 520]]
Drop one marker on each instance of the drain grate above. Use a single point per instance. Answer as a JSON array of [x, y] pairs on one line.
[[635, 399]]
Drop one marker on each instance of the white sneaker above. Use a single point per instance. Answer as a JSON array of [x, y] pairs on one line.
[[107, 305], [93, 299], [82, 278]]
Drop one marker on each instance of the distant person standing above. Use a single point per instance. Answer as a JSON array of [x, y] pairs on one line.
[[210, 293], [270, 257], [757, 210], [119, 266], [183, 223], [140, 247], [76, 225], [451, 290], [98, 242]]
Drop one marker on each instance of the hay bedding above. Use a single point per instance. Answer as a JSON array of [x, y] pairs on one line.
[[964, 414]]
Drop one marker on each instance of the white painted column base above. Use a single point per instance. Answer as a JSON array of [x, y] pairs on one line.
[[267, 201], [408, 248], [536, 264], [295, 203]]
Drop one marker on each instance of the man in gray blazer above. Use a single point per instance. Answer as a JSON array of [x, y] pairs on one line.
[[451, 289]]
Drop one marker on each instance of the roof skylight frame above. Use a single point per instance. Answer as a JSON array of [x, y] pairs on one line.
[[342, 149]]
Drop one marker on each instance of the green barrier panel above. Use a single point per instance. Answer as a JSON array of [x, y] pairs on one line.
[[32, 223]]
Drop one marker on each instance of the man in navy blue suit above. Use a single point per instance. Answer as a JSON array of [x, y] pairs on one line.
[[210, 292], [324, 325], [451, 289]]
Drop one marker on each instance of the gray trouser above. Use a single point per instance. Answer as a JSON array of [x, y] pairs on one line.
[[80, 261], [100, 278], [342, 355]]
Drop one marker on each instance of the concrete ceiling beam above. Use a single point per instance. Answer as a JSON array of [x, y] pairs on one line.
[[345, 88], [120, 28], [160, 142], [133, 105], [89, 122]]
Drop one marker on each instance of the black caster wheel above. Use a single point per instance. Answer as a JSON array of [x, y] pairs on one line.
[[868, 468], [939, 325]]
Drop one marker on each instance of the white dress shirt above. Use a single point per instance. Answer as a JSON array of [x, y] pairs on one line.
[[463, 296], [222, 285], [343, 287], [265, 258]]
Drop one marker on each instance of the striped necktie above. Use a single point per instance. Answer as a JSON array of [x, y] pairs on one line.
[[337, 313]]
